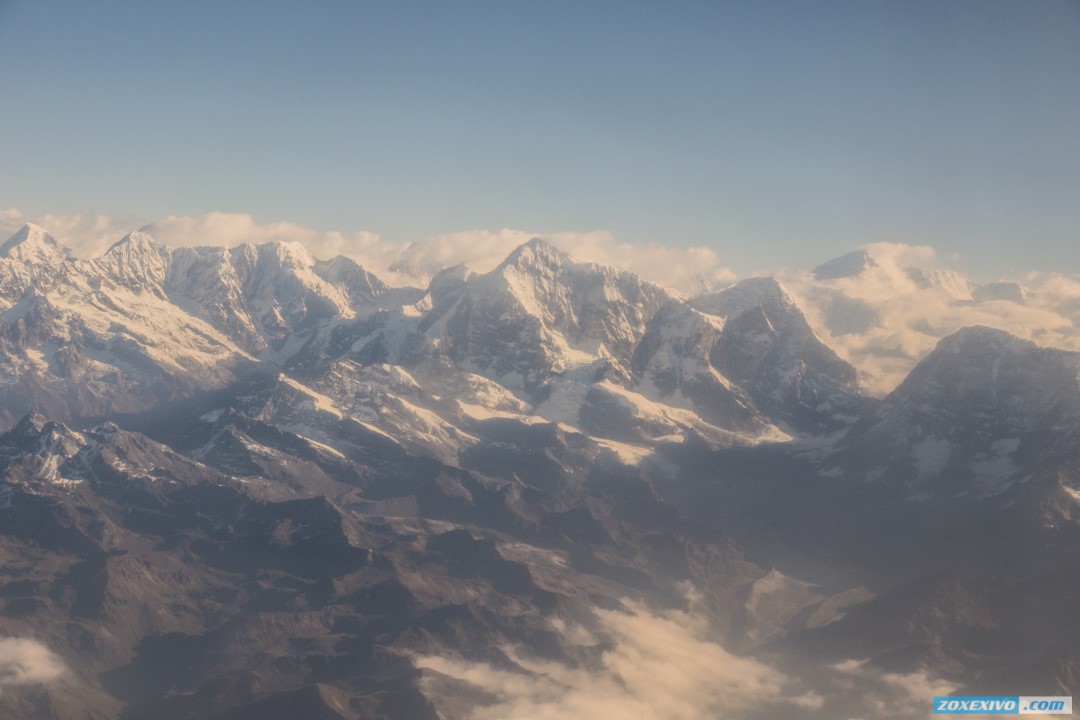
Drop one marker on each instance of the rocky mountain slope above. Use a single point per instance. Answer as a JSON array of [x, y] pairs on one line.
[[248, 483]]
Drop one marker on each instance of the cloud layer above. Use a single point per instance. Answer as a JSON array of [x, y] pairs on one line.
[[891, 315], [24, 661], [659, 668], [684, 269], [665, 666]]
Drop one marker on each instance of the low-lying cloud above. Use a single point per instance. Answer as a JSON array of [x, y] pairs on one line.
[[889, 694], [407, 263], [24, 661], [665, 666], [85, 234], [660, 667]]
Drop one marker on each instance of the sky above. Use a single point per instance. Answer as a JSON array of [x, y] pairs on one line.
[[774, 133]]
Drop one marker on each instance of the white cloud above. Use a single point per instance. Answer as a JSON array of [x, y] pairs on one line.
[[684, 269], [230, 229], [904, 320], [890, 694], [24, 661], [84, 234], [664, 666], [660, 667]]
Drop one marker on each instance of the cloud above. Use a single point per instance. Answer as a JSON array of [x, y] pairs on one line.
[[665, 666], [890, 694], [884, 320], [85, 234], [687, 270], [683, 269], [231, 229], [659, 667], [24, 661]]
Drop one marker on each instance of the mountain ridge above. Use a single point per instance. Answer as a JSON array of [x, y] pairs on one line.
[[241, 480]]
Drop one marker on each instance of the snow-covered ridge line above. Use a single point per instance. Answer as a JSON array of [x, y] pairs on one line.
[[541, 335]]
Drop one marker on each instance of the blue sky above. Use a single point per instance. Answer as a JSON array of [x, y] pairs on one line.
[[778, 133]]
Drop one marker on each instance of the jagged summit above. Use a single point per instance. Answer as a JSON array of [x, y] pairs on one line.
[[32, 422], [361, 286], [136, 261], [30, 258], [36, 435], [286, 255]]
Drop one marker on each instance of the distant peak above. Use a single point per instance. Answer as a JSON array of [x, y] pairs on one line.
[[105, 432], [742, 296], [950, 281], [136, 240], [287, 253], [32, 422], [847, 265], [762, 285], [32, 238], [537, 251], [980, 338], [1001, 290]]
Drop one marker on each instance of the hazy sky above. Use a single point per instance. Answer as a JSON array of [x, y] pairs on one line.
[[775, 132]]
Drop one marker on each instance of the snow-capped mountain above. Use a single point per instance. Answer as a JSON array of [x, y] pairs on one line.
[[768, 348], [245, 482], [539, 314]]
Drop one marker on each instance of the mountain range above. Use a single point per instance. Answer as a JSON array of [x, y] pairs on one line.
[[243, 482]]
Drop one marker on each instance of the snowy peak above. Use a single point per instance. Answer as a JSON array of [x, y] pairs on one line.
[[845, 266], [768, 348], [763, 292], [1001, 291], [363, 290], [31, 244], [29, 257], [540, 313], [343, 270], [136, 262], [36, 448], [948, 281], [204, 281], [282, 290], [536, 254], [275, 254], [137, 245], [115, 462], [27, 431], [672, 364]]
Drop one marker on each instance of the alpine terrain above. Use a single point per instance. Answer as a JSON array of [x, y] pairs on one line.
[[248, 483]]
